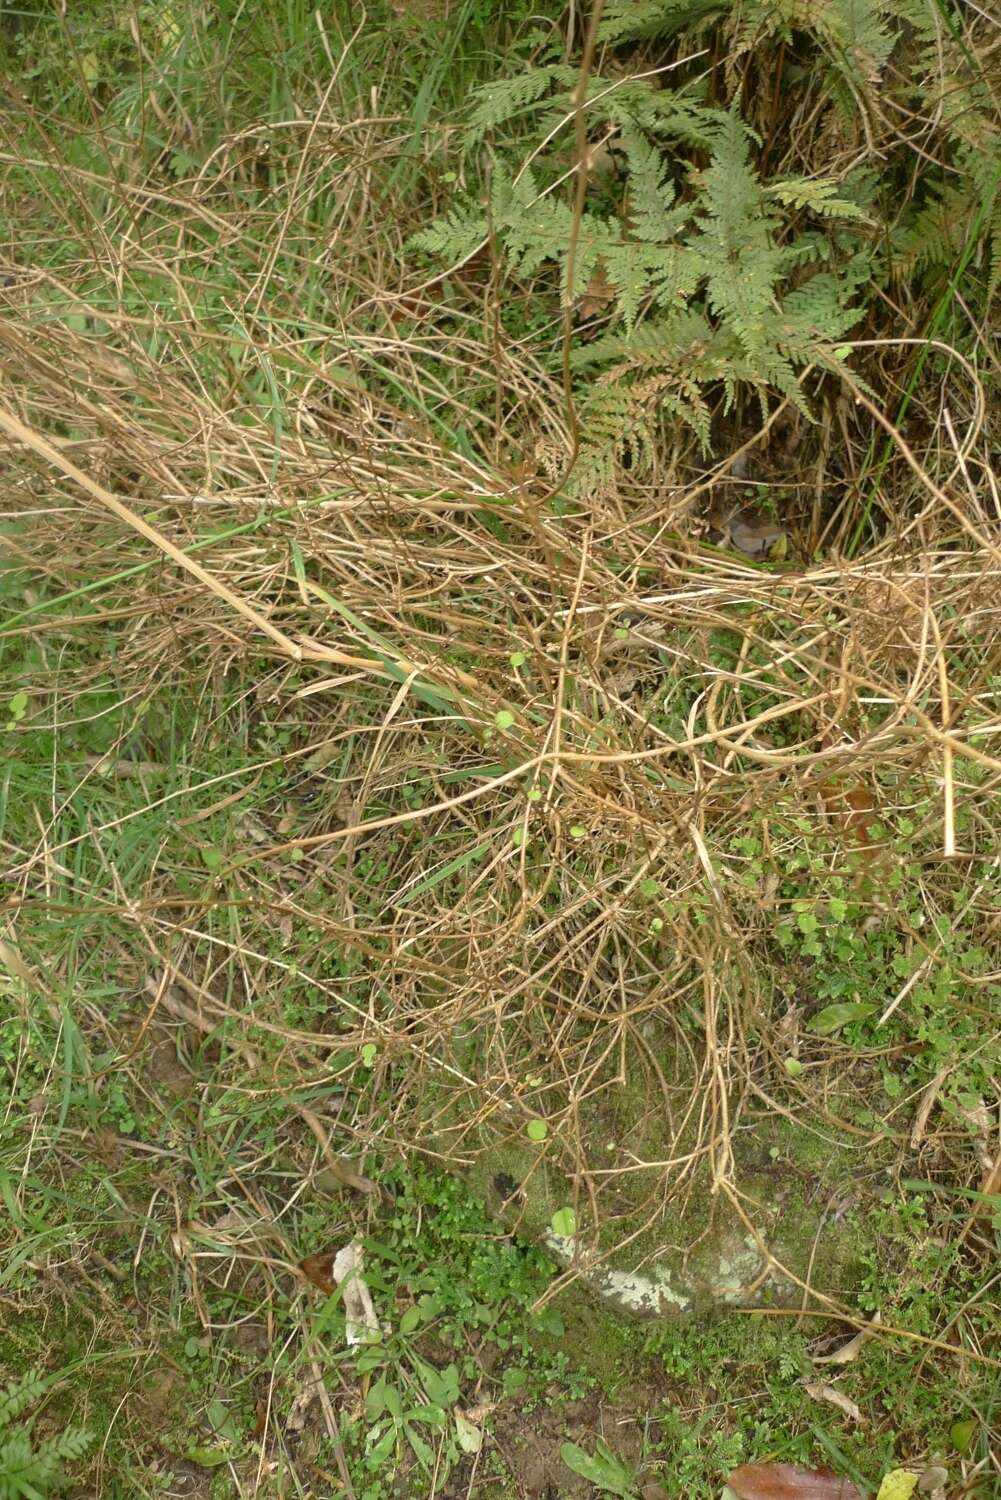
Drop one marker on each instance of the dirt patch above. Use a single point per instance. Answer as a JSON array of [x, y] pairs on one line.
[[529, 1439]]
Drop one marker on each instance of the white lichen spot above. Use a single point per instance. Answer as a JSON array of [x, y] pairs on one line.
[[641, 1295]]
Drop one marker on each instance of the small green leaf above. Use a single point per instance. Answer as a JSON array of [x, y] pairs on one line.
[[578, 831], [518, 837], [534, 795], [369, 1053], [621, 633], [833, 1017], [536, 1130], [793, 1067], [603, 1470], [211, 858], [442, 1386], [518, 659], [411, 1319], [656, 925], [564, 1223], [649, 888], [18, 705], [423, 1451], [207, 1458], [381, 1450], [504, 719], [961, 1434], [297, 855], [807, 922]]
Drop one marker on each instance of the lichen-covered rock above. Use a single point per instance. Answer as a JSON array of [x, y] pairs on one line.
[[800, 1226]]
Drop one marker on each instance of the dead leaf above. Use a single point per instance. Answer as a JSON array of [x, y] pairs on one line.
[[755, 535], [849, 1351], [927, 1104], [787, 1482], [361, 1320], [900, 1484], [319, 1269], [991, 1185], [299, 1410], [597, 295], [817, 1391], [479, 1414], [468, 1435]]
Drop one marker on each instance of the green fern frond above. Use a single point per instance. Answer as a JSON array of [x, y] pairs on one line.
[[743, 263], [859, 36], [636, 20], [654, 343], [650, 193], [501, 100], [21, 1394], [994, 277], [816, 194], [935, 235], [454, 236], [29, 1471]]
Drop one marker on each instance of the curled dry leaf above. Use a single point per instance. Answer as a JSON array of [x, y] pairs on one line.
[[990, 1187], [597, 295], [319, 1269], [817, 1391], [788, 1482], [849, 1351], [479, 1414], [296, 1419], [361, 1320]]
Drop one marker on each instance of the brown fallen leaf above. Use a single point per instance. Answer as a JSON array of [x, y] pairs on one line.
[[597, 295], [849, 1351], [319, 1269], [479, 1414], [990, 1186], [787, 1482], [818, 1391]]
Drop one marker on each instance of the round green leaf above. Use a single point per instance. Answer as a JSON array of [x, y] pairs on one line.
[[504, 719], [793, 1067], [564, 1223], [536, 1130]]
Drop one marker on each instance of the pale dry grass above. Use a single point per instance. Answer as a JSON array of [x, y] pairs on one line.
[[310, 543]]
